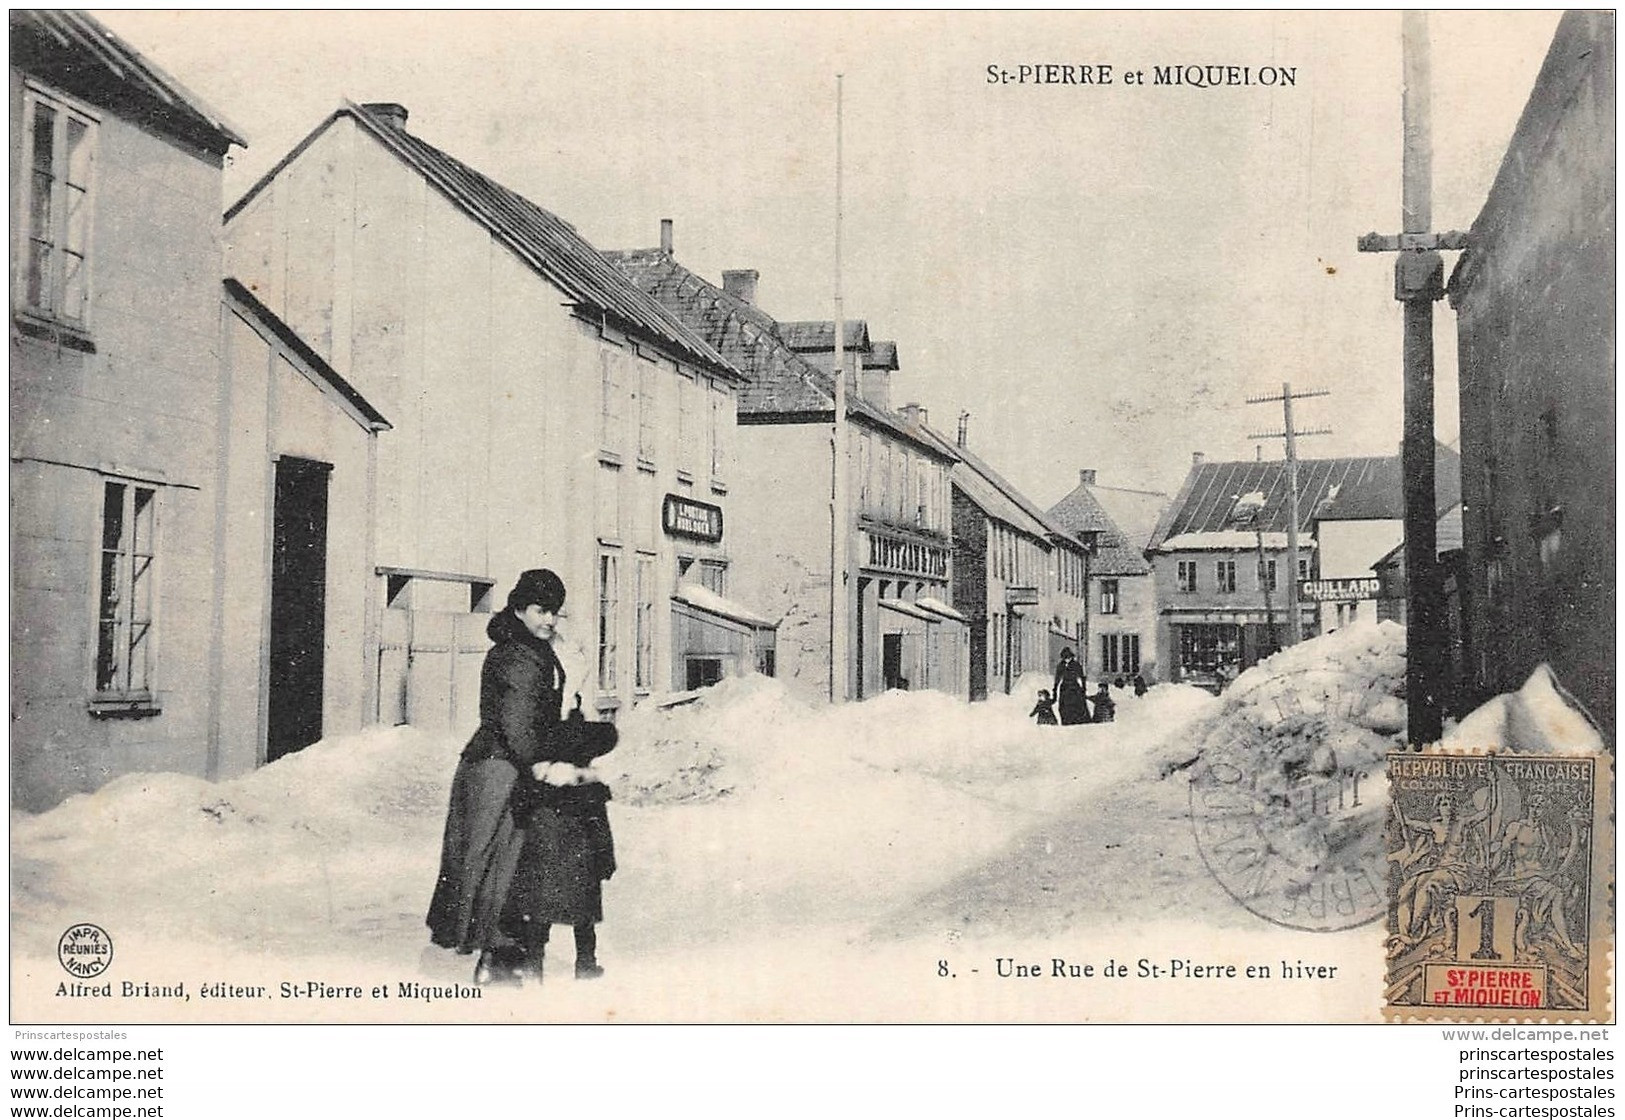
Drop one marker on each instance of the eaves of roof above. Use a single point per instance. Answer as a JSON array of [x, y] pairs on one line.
[[548, 245], [76, 51], [239, 293]]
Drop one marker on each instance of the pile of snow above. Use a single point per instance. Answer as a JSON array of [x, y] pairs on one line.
[[739, 812], [1540, 718], [1331, 703]]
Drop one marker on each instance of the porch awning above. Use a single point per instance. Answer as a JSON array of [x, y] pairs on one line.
[[903, 606], [937, 606], [704, 599]]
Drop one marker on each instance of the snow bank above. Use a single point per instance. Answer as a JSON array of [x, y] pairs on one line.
[[739, 808], [1330, 703], [1540, 718]]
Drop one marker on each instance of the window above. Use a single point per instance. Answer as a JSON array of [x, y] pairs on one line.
[[1108, 596], [714, 575], [1120, 653], [687, 436], [717, 401], [1187, 575], [1224, 574], [124, 634], [1303, 567], [646, 412], [609, 620], [611, 392], [1266, 574], [61, 144], [643, 664], [609, 502]]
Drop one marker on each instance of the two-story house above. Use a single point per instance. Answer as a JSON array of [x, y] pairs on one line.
[[1020, 578], [116, 437], [1122, 592], [546, 412], [902, 630]]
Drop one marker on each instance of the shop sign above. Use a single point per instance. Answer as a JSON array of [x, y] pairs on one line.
[[1021, 596], [1335, 590], [684, 517]]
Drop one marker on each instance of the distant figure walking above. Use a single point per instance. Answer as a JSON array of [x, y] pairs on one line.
[[1140, 687], [1071, 690], [1105, 706], [1044, 710]]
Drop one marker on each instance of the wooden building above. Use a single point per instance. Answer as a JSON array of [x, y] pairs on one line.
[[116, 438], [546, 412], [1535, 308], [1122, 599], [904, 631]]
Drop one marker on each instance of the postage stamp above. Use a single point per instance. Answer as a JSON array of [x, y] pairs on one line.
[[1498, 887]]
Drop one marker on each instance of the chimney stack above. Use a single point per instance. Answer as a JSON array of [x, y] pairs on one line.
[[1197, 458], [1086, 476], [390, 113], [915, 415], [964, 429], [740, 283], [665, 235]]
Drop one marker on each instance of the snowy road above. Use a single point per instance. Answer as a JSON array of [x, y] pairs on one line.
[[777, 862]]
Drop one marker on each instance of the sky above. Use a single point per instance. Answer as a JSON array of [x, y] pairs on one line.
[[1099, 274]]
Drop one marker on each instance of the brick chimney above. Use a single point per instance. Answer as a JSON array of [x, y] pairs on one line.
[[741, 283], [1086, 476], [914, 415], [964, 429], [1198, 458], [665, 235], [390, 113]]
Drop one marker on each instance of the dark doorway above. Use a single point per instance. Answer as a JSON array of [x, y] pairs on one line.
[[891, 659], [863, 588], [298, 606]]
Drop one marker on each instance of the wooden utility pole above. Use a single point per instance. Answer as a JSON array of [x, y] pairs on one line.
[[1290, 434], [840, 521], [1418, 282]]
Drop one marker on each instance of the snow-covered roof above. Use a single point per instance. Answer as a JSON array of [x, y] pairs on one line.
[[937, 606], [703, 598], [1228, 540], [903, 606]]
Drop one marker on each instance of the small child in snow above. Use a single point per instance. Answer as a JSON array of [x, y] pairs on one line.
[[1044, 709]]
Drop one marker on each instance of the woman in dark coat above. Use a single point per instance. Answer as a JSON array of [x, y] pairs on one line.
[[1071, 694], [521, 693]]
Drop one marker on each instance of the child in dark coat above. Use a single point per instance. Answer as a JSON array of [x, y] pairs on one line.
[[1044, 709]]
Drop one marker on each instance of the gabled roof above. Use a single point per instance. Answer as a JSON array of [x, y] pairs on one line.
[[1379, 493], [76, 52], [997, 497], [1116, 553], [1208, 497], [881, 355], [363, 409], [780, 381], [550, 246], [814, 335]]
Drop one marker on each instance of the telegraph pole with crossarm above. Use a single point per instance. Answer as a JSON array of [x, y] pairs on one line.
[[1291, 435], [1418, 282]]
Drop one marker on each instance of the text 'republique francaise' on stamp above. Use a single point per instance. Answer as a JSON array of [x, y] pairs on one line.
[[1500, 887]]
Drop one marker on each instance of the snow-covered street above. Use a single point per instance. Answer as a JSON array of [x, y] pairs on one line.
[[879, 861]]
